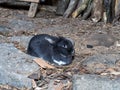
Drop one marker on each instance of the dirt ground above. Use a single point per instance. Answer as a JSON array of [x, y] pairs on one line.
[[47, 22]]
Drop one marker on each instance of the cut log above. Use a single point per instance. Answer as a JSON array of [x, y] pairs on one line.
[[117, 11], [109, 10], [80, 9], [88, 10], [62, 6], [97, 10], [117, 7], [71, 8], [79, 3]]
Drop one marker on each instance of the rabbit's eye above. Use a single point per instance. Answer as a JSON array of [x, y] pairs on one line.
[[65, 46]]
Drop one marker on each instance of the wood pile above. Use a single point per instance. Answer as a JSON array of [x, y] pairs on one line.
[[97, 10]]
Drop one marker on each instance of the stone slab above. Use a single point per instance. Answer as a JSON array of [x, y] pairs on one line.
[[95, 82], [15, 66], [100, 62]]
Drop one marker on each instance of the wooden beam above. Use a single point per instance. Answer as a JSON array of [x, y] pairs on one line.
[[35, 1], [33, 9]]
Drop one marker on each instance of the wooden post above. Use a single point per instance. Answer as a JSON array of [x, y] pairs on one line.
[[33, 10], [33, 7]]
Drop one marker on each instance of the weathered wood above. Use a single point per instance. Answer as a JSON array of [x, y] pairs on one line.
[[97, 13], [109, 10], [62, 6], [80, 9], [88, 10], [70, 8], [117, 11], [29, 0], [79, 3], [33, 9], [104, 17], [117, 7]]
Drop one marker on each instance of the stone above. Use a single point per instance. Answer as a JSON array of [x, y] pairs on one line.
[[101, 62], [22, 40], [36, 75], [95, 82], [4, 30], [100, 40], [3, 39], [21, 25], [15, 67]]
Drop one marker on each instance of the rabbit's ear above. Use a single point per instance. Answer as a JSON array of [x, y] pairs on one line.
[[73, 43], [50, 40]]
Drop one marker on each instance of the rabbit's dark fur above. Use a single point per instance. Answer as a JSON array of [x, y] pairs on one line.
[[57, 50]]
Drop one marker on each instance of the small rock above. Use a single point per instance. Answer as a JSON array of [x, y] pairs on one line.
[[99, 63], [95, 82], [100, 40], [36, 75]]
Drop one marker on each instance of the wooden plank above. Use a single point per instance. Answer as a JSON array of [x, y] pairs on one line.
[[36, 1], [33, 9]]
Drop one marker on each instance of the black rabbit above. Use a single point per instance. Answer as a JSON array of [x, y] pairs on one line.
[[57, 50]]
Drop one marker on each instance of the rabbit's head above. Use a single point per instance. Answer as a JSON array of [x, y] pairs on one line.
[[63, 51]]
